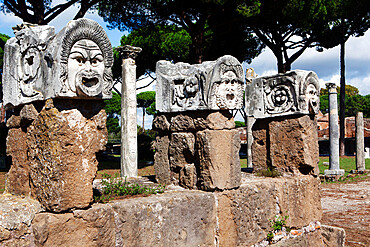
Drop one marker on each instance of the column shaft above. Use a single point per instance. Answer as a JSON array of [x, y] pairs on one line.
[[360, 154], [128, 119]]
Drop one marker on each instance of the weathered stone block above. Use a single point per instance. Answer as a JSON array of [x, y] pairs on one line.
[[288, 144], [182, 122], [299, 198], [170, 219], [62, 146], [294, 144], [160, 123], [220, 120], [16, 211], [260, 145], [212, 85], [93, 227], [188, 176], [17, 179], [295, 92], [181, 149], [13, 122], [333, 236], [161, 160], [28, 113], [216, 120], [219, 164], [244, 214]]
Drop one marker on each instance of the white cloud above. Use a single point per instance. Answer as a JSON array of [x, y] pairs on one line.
[[334, 79], [362, 83]]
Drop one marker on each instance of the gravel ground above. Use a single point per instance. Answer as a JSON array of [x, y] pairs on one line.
[[347, 205]]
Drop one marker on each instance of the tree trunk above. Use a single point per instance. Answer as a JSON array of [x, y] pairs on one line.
[[143, 119], [280, 63], [342, 107], [197, 45], [2, 114]]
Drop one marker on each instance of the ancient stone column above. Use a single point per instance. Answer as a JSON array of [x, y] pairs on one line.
[[360, 154], [333, 132], [128, 112], [249, 124]]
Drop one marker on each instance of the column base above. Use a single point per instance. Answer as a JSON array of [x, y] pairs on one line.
[[365, 171], [334, 172]]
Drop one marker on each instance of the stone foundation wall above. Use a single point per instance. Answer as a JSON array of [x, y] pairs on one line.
[[198, 150], [287, 144], [239, 217]]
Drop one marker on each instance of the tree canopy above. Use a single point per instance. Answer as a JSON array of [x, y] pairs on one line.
[[43, 11], [287, 26], [354, 101], [113, 109], [145, 100], [199, 18], [3, 39], [348, 18], [158, 42]]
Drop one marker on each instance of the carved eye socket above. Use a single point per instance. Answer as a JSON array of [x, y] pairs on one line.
[[79, 60], [95, 61]]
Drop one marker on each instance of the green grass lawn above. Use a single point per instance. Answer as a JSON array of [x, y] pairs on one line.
[[243, 163], [346, 163]]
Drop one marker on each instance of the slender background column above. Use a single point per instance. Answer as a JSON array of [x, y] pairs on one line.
[[249, 124], [333, 132], [128, 112], [360, 145]]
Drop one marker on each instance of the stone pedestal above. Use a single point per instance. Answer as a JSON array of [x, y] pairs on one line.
[[333, 132], [360, 147], [53, 152], [198, 150], [287, 144], [128, 112], [62, 143]]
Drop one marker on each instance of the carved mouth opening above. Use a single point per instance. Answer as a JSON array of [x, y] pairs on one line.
[[89, 82], [230, 96]]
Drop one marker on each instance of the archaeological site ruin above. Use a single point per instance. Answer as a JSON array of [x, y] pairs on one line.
[[56, 83]]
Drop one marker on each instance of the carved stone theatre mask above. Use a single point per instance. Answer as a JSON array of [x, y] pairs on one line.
[[86, 68]]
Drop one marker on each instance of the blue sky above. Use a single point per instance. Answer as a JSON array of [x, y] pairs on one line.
[[325, 64]]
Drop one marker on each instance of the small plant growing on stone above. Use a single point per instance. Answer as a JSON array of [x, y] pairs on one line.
[[114, 187], [270, 236], [269, 172], [277, 224]]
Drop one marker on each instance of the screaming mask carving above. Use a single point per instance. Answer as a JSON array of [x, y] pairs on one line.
[[229, 92], [86, 61], [86, 68]]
